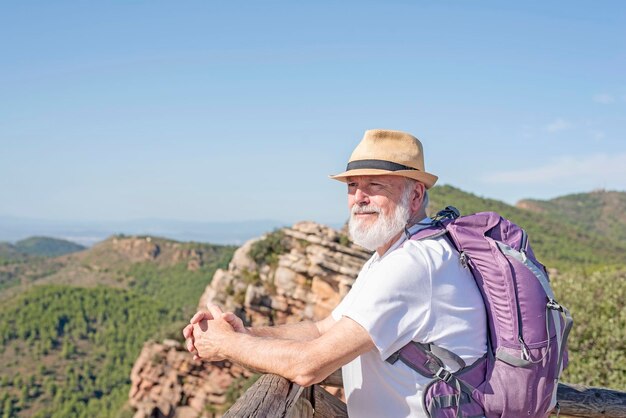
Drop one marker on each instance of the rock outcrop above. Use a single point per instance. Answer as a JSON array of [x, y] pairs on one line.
[[294, 274], [137, 249], [168, 382], [313, 269]]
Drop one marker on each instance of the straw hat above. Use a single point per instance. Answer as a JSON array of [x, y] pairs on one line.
[[392, 153]]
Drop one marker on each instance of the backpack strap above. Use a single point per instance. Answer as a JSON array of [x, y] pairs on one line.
[[447, 356], [428, 361]]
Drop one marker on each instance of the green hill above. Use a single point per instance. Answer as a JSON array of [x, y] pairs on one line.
[[68, 343], [603, 212], [558, 241], [47, 247], [9, 254], [28, 248]]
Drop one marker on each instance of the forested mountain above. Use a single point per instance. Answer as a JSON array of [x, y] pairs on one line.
[[559, 237], [601, 211], [47, 247], [72, 326], [8, 253], [38, 246]]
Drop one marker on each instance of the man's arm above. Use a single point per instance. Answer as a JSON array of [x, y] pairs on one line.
[[303, 331], [304, 362]]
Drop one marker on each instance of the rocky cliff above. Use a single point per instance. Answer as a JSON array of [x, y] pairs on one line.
[[293, 274]]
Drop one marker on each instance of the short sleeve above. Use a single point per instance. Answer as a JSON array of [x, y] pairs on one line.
[[392, 301]]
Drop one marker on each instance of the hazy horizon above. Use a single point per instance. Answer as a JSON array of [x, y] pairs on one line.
[[88, 232], [343, 215]]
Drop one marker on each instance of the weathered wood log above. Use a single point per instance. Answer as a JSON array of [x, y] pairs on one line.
[[575, 400], [270, 396], [335, 379], [275, 396], [583, 401], [301, 409], [326, 405]]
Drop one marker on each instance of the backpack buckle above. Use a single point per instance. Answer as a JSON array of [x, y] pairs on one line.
[[443, 374], [450, 212], [552, 304], [393, 358]]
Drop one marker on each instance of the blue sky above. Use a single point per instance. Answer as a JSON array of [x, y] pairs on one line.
[[221, 111]]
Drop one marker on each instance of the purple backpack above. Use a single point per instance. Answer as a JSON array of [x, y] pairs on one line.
[[528, 329]]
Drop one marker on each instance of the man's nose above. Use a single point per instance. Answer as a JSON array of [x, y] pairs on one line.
[[360, 197]]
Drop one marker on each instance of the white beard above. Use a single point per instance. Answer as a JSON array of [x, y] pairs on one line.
[[384, 229]]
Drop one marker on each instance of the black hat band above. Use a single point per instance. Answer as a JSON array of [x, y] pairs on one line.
[[377, 165]]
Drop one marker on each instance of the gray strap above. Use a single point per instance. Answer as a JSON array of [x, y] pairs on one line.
[[439, 402], [556, 320], [458, 396], [446, 401], [459, 385], [511, 359], [568, 327], [447, 356], [441, 356], [448, 377], [438, 357], [437, 367]]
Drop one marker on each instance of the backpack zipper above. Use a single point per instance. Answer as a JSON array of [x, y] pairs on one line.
[[524, 347], [520, 336]]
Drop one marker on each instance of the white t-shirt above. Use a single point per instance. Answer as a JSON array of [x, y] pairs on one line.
[[418, 290]]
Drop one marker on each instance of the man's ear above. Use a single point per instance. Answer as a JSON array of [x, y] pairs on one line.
[[418, 197]]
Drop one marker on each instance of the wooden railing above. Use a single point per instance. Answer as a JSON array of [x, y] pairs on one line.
[[275, 396]]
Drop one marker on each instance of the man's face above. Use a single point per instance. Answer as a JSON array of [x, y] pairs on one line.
[[379, 209], [382, 192]]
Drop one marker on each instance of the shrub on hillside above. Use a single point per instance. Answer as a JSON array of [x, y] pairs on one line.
[[267, 250], [597, 343]]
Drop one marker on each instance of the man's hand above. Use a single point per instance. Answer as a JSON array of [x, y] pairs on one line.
[[213, 313], [210, 337], [235, 322], [188, 330]]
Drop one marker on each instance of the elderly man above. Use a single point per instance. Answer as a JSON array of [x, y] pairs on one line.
[[408, 291]]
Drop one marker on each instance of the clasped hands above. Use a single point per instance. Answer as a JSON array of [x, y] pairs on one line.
[[207, 330]]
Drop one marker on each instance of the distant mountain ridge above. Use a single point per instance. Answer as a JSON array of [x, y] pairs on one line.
[[90, 232], [38, 246], [559, 237], [601, 211], [105, 264], [47, 247]]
